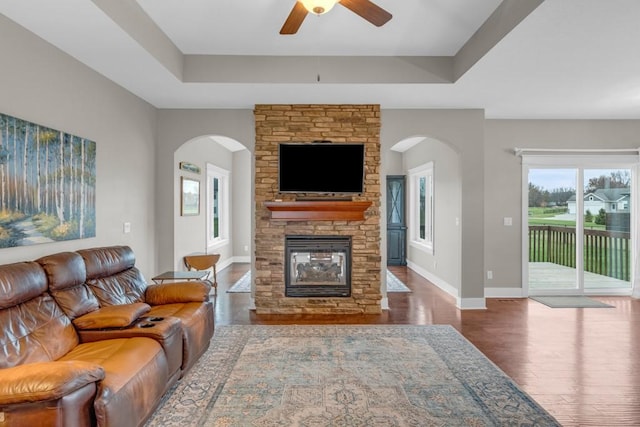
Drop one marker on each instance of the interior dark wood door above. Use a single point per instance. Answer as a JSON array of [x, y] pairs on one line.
[[396, 226]]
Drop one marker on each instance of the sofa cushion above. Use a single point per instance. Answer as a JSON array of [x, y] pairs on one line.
[[197, 327], [170, 293], [136, 376], [35, 331], [67, 274], [111, 275], [107, 261], [20, 282], [125, 287], [35, 382], [115, 316]]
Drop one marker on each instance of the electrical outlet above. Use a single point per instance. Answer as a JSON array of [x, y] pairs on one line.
[[246, 248], [489, 274], [126, 227]]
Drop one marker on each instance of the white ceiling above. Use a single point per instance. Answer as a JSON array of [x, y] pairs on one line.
[[233, 27], [566, 59]]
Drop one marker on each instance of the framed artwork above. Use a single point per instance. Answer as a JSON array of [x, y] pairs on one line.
[[47, 184], [189, 167], [189, 196]]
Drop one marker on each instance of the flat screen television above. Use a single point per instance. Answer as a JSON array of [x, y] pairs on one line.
[[322, 168]]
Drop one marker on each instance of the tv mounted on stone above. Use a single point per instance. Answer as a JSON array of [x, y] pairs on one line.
[[321, 168]]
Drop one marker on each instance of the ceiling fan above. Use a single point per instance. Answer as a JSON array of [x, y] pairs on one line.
[[363, 8]]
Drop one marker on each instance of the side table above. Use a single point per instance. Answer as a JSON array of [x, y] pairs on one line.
[[179, 275]]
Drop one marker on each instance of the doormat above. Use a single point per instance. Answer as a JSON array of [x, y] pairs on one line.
[[570, 302]]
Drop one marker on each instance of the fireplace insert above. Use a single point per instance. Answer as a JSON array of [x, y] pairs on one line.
[[317, 266]]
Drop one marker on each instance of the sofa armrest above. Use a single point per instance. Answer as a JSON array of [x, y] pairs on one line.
[[34, 382], [177, 292], [112, 316]]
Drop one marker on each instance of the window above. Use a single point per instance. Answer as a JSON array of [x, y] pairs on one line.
[[421, 206], [217, 205]]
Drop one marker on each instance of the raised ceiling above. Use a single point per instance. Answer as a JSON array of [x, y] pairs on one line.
[[512, 58]]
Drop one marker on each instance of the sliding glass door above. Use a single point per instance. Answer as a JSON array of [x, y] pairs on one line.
[[578, 232], [552, 230], [607, 230]]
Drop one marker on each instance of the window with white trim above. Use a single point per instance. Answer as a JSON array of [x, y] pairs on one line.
[[217, 205], [421, 206]]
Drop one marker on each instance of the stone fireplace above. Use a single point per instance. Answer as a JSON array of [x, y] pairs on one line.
[[323, 281]]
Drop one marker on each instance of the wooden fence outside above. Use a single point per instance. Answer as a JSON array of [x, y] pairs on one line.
[[605, 252]]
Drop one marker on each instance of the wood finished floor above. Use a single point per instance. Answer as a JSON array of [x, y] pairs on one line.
[[582, 365]]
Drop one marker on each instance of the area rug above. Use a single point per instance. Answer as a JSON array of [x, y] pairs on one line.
[[344, 375], [570, 302], [393, 284], [243, 284]]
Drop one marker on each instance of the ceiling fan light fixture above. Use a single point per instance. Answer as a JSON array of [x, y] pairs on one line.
[[318, 7]]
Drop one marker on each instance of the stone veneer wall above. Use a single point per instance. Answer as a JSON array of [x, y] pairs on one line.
[[306, 123]]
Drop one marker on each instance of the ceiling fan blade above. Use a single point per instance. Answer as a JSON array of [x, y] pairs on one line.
[[368, 10], [293, 22]]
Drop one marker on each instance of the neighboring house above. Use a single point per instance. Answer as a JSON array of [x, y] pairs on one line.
[[611, 200]]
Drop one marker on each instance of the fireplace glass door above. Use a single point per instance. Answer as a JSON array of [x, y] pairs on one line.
[[317, 266]]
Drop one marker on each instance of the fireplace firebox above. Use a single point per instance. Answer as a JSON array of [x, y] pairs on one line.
[[317, 266]]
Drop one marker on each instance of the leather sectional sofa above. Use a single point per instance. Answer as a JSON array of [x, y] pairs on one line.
[[85, 341]]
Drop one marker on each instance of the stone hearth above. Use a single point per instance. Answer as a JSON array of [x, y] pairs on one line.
[[306, 123]]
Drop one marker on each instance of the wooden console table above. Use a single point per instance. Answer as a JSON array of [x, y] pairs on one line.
[[329, 210]]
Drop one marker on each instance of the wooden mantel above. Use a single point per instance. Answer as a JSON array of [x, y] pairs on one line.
[[330, 210]]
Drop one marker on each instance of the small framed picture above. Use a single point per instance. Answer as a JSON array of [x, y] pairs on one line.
[[190, 196]]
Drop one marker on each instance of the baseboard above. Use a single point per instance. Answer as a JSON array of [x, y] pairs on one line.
[[221, 265], [504, 293], [461, 303], [440, 283], [236, 259], [471, 303]]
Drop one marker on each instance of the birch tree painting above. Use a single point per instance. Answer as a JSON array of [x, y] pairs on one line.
[[47, 184]]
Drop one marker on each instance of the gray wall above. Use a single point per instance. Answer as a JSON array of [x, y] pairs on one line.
[[41, 84], [444, 263], [241, 206], [463, 131], [190, 232], [175, 127], [503, 178]]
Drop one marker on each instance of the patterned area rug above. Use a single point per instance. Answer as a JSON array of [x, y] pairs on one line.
[[342, 375], [393, 284]]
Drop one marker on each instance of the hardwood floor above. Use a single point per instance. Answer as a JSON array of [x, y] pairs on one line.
[[582, 365]]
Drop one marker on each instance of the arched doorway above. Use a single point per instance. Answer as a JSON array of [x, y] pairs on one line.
[[220, 168], [433, 193]]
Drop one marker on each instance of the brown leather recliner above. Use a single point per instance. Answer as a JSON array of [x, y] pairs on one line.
[[67, 275], [49, 378], [114, 280]]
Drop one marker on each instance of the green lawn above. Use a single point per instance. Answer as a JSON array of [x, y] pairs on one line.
[[544, 216]]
